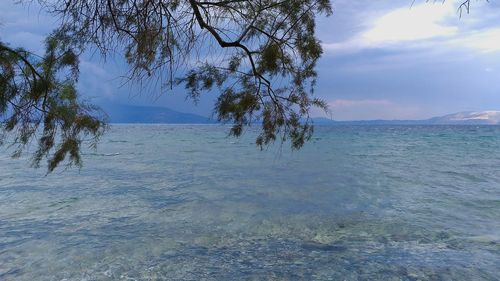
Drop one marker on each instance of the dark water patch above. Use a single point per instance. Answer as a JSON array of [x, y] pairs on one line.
[[102, 154], [63, 203], [464, 175], [313, 246], [117, 141]]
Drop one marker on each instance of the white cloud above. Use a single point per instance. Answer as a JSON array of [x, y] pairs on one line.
[[420, 22], [407, 24], [485, 40], [423, 26]]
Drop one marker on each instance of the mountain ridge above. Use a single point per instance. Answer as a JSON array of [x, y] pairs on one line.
[[119, 113], [488, 117]]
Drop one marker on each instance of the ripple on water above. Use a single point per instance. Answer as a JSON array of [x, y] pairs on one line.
[[188, 203]]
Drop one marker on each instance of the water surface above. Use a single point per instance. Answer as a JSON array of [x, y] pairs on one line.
[[170, 202]]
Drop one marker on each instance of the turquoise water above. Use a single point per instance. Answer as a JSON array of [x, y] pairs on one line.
[[164, 202]]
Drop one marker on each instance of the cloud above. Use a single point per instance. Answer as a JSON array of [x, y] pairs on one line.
[[32, 41], [406, 24], [484, 41], [385, 60], [354, 103], [351, 109], [424, 21], [96, 83], [424, 26], [23, 25]]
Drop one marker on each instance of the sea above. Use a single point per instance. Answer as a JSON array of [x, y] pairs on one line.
[[188, 202]]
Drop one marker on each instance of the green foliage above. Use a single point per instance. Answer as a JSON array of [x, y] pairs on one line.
[[259, 55], [39, 101]]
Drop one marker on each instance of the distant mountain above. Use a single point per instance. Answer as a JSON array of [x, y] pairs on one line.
[[151, 114], [472, 118], [461, 118], [326, 121]]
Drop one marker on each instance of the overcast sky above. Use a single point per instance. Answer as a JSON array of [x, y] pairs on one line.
[[384, 59]]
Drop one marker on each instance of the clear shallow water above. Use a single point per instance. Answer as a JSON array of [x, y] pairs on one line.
[[162, 202]]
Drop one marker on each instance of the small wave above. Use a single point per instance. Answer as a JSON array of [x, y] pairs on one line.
[[117, 141], [103, 154], [313, 246], [466, 176], [379, 155], [487, 238]]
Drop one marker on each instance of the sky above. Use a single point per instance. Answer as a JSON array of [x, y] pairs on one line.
[[384, 59]]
